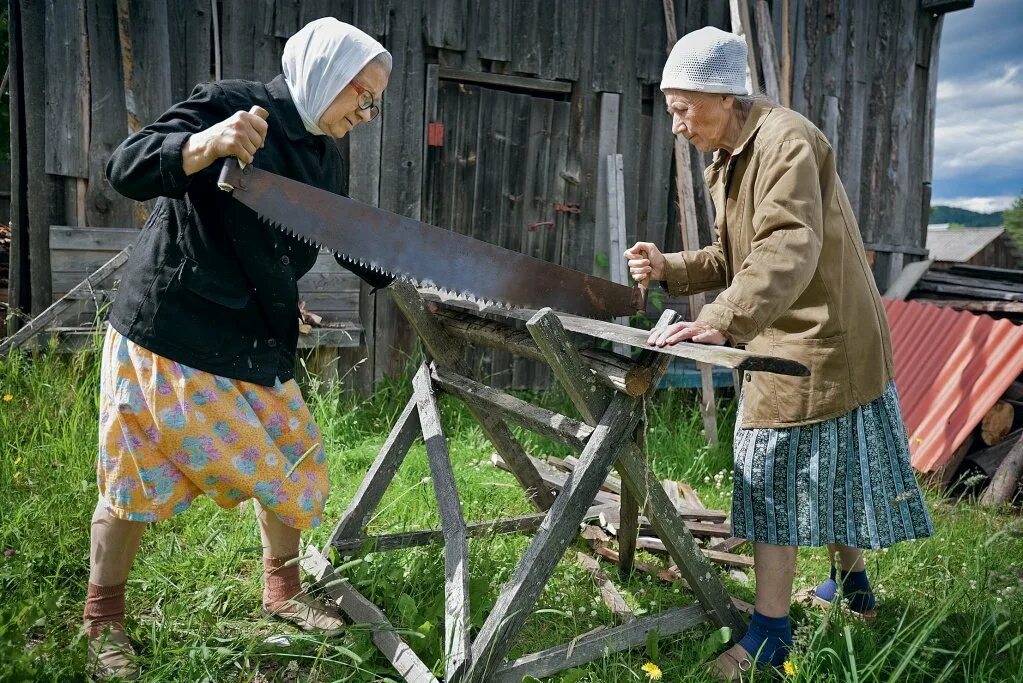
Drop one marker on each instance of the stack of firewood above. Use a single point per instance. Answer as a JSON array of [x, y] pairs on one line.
[[990, 461]]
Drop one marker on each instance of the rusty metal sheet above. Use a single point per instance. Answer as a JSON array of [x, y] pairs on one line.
[[951, 367]]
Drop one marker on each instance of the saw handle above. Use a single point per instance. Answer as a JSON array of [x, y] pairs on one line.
[[232, 163]]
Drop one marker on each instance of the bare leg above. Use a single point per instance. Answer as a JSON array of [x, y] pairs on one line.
[[279, 539], [774, 565], [848, 559], [114, 544]]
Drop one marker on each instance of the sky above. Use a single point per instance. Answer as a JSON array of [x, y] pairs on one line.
[[978, 132]]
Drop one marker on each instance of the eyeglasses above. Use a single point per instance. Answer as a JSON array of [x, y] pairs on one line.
[[366, 100]]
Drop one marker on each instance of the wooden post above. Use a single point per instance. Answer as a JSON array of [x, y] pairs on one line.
[[739, 11], [768, 59], [617, 230], [456, 548], [448, 353]]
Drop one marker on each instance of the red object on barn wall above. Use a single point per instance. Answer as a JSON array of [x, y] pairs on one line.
[[951, 367]]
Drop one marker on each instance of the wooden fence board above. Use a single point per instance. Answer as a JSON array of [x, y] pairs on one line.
[[67, 89]]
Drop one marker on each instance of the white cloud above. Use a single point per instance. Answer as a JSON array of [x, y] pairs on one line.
[[978, 123], [981, 204]]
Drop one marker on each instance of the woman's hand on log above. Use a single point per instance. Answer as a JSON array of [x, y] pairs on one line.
[[698, 332], [646, 262], [241, 136]]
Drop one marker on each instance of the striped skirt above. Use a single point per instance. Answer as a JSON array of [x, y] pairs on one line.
[[846, 480]]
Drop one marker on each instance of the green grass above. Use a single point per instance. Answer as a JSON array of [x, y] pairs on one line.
[[951, 605]]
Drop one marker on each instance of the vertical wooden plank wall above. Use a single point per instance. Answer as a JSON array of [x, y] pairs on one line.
[[866, 75]]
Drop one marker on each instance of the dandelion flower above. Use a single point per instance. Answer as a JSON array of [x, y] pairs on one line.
[[8, 398], [790, 668], [653, 672]]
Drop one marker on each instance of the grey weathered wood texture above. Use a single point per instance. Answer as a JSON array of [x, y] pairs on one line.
[[592, 645], [865, 74], [361, 611], [378, 478], [456, 547]]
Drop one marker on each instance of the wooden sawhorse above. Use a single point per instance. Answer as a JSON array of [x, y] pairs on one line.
[[608, 392]]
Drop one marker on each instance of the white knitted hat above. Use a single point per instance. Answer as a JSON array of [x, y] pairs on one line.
[[708, 60]]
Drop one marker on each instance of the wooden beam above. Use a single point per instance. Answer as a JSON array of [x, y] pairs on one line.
[[449, 353], [611, 370], [456, 547], [541, 85], [378, 478], [588, 647], [41, 321], [1005, 483], [904, 284], [539, 420], [741, 25], [768, 60], [736, 359], [361, 611], [527, 581], [491, 527], [609, 594]]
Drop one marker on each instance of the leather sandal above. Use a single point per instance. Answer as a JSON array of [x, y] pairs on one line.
[[309, 614], [732, 665], [111, 656]]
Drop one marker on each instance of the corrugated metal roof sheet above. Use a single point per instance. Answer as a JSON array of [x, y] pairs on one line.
[[951, 367], [959, 245]]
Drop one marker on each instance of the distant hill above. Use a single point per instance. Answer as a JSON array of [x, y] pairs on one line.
[[965, 217]]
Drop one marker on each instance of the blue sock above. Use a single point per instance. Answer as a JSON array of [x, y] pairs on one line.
[[768, 639], [829, 588], [856, 589]]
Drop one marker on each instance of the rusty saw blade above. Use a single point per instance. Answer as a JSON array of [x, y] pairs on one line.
[[424, 254]]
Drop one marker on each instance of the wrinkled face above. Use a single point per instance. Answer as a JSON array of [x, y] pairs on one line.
[[344, 113], [704, 119]]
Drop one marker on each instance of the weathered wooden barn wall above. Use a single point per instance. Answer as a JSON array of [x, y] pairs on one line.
[[522, 101]]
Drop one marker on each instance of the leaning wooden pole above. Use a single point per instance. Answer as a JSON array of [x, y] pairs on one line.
[[1005, 483]]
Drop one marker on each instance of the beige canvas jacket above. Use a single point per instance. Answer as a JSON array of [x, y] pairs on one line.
[[797, 282]]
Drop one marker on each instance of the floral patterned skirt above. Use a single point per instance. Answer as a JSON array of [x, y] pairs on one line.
[[169, 433]]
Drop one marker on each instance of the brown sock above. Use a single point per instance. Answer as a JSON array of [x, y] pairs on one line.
[[280, 582], [104, 605]]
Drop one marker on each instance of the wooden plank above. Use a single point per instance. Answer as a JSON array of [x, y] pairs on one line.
[[145, 53], [520, 593], [658, 175], [456, 547], [768, 52], [556, 479], [536, 419], [607, 145], [239, 19], [39, 323], [651, 48], [616, 221], [494, 31], [613, 22], [444, 24], [44, 194], [609, 331], [609, 595], [361, 611], [613, 371], [560, 55], [449, 354], [107, 118], [593, 645], [190, 23], [528, 34], [412, 539], [729, 544], [401, 174], [741, 25], [540, 85], [690, 496], [67, 97], [679, 542], [19, 293], [903, 285], [378, 478]]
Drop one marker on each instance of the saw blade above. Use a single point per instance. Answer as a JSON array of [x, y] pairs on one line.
[[426, 255]]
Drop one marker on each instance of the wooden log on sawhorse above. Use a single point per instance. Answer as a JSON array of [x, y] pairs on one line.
[[607, 437]]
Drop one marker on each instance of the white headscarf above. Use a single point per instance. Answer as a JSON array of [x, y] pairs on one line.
[[320, 60]]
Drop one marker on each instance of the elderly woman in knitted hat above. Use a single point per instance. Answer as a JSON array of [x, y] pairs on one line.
[[819, 460], [197, 392]]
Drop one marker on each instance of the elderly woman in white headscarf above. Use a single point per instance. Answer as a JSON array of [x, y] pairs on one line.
[[821, 460], [197, 394]]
